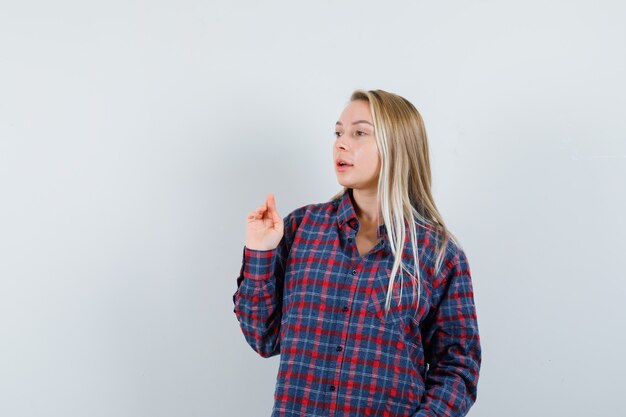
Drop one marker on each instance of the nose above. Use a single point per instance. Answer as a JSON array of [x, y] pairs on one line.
[[339, 144]]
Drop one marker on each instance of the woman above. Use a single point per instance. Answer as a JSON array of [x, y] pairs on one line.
[[368, 297]]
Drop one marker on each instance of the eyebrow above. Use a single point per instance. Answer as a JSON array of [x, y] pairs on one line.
[[355, 123]]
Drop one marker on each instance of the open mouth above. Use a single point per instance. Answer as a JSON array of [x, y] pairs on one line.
[[342, 166]]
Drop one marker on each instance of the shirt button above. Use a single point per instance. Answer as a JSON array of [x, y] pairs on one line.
[[332, 387], [354, 272], [339, 348], [345, 309]]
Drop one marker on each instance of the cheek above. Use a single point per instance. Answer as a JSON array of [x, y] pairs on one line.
[[374, 158], [368, 157]]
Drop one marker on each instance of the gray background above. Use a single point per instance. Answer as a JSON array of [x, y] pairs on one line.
[[136, 136]]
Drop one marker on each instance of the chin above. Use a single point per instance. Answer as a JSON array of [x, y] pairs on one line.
[[345, 184]]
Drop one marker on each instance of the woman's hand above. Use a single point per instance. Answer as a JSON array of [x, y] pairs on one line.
[[264, 226]]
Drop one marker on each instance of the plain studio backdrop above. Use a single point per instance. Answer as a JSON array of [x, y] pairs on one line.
[[135, 136]]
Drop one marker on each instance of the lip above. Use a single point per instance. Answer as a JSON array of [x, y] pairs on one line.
[[342, 168]]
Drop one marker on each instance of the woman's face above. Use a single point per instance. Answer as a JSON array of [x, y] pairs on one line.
[[355, 144]]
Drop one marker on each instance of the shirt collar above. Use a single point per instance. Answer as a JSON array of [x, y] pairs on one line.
[[346, 213]]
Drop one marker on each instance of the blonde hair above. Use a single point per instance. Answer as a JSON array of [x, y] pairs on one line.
[[404, 182]]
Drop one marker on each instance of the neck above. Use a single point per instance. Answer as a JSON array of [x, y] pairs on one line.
[[365, 205]]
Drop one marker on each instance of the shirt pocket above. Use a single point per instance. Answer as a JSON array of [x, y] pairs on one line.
[[378, 298], [403, 294]]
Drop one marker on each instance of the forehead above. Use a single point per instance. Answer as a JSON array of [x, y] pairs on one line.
[[356, 110]]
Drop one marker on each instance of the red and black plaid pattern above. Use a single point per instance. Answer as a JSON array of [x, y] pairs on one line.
[[320, 305]]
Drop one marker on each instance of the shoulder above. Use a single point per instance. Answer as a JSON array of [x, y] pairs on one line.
[[455, 266], [311, 215], [447, 250]]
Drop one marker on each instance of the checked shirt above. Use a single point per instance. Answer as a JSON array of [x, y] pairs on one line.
[[320, 305]]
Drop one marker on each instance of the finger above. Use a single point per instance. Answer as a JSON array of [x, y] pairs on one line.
[[272, 208], [270, 202], [261, 212]]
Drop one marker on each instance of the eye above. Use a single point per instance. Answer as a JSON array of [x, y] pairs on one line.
[[360, 133], [337, 134]]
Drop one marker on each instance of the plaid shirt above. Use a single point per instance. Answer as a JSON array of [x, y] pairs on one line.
[[320, 305]]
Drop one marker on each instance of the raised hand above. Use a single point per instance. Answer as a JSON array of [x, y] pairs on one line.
[[264, 226]]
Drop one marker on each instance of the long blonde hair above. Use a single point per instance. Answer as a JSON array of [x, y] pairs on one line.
[[404, 182]]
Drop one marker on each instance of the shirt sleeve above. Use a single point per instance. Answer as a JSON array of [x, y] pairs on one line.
[[258, 298], [452, 345]]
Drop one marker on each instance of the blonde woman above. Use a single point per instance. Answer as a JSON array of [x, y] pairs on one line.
[[367, 297]]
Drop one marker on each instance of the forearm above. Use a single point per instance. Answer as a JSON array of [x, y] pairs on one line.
[[452, 346], [258, 300], [451, 384]]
